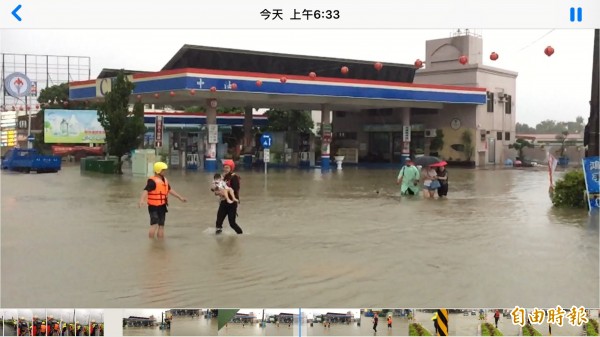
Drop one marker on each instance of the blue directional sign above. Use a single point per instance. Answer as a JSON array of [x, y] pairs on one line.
[[266, 140], [31, 138]]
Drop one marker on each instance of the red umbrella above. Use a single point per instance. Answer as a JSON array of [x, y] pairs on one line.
[[442, 163]]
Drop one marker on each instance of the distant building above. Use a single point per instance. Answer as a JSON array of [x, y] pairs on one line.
[[136, 321]]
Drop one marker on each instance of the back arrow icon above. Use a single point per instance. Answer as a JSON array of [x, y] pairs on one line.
[[14, 12]]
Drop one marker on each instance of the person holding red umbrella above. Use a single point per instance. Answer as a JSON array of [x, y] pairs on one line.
[[442, 175]]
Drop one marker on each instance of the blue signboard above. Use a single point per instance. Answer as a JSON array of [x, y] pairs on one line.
[[266, 140], [591, 171]]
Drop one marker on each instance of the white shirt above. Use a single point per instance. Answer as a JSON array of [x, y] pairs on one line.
[[428, 177]]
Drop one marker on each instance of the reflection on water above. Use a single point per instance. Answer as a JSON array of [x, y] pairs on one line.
[[311, 240]]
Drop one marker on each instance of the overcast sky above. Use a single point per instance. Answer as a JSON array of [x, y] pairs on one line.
[[556, 87]]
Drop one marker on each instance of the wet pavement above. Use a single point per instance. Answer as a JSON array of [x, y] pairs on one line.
[[311, 240]]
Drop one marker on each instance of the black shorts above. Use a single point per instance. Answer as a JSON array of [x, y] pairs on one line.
[[157, 215]]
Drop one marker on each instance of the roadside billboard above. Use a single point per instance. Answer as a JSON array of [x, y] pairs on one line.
[[72, 126]]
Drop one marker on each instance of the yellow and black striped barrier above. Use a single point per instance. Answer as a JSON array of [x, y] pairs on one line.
[[442, 322]]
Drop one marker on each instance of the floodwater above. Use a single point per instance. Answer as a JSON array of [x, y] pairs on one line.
[[193, 326], [145, 331], [270, 329], [399, 328], [311, 240]]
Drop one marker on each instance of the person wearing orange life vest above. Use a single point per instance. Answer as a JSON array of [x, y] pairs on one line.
[[156, 194]]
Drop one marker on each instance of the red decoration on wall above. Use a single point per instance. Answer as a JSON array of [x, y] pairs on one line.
[[549, 51], [378, 66], [233, 86], [213, 89], [493, 56], [172, 94], [463, 60], [312, 75], [345, 70], [258, 83], [156, 96], [193, 92], [283, 79], [418, 64]]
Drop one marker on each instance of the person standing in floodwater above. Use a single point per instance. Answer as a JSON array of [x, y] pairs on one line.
[[408, 179], [442, 175], [375, 321], [156, 194], [226, 209], [497, 317], [389, 322]]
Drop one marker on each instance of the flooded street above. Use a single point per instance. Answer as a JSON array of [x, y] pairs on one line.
[[311, 240], [399, 328]]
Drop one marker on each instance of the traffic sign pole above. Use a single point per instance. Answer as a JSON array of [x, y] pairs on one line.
[[266, 141]]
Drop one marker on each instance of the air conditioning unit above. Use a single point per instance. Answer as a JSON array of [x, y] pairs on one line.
[[430, 133]]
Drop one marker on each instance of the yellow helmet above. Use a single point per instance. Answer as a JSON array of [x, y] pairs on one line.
[[159, 166]]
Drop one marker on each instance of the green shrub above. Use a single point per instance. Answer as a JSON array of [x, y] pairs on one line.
[[528, 330], [568, 191], [487, 329], [416, 329], [592, 328]]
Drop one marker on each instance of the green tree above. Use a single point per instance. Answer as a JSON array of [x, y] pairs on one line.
[[124, 129], [524, 128], [290, 120], [467, 140], [564, 142], [520, 145]]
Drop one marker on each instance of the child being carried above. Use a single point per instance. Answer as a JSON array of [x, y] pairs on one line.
[[221, 189]]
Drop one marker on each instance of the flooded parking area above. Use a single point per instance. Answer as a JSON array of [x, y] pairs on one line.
[[310, 240]]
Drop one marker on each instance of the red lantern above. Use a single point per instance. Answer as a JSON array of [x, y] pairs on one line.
[[463, 60], [172, 94], [213, 89], [418, 64], [193, 92], [283, 79], [493, 56], [139, 97], [233, 86], [312, 75], [549, 51], [345, 70], [378, 66], [156, 95], [258, 83]]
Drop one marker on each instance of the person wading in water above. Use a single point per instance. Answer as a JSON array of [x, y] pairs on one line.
[[156, 194], [226, 209]]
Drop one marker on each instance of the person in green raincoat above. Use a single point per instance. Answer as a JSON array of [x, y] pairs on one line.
[[408, 179]]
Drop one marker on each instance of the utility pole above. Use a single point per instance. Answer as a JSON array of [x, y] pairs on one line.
[[591, 132]]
